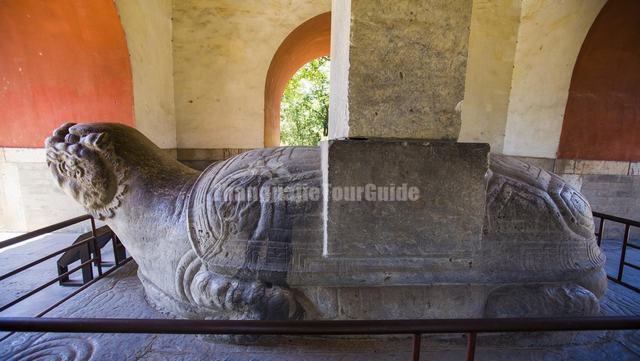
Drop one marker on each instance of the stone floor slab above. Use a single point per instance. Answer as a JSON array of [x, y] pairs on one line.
[[121, 295]]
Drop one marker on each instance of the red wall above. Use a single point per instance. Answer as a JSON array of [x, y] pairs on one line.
[[62, 60], [308, 41], [602, 117]]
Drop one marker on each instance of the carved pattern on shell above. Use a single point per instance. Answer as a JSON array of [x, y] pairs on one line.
[[522, 195], [216, 214]]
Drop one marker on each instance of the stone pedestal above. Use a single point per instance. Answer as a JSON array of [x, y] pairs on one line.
[[397, 75], [392, 198], [402, 230], [404, 204]]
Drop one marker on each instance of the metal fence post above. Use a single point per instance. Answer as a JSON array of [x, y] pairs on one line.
[[471, 346], [417, 340], [600, 230], [96, 247], [623, 253]]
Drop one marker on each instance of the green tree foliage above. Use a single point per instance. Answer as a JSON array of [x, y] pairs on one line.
[[304, 111]]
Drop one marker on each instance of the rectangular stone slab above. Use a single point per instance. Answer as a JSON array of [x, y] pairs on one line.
[[444, 220], [400, 68]]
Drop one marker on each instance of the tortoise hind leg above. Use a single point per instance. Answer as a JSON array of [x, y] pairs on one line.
[[243, 300], [541, 300]]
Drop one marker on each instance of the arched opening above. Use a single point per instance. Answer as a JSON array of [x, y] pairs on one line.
[[304, 109], [307, 42], [602, 116]]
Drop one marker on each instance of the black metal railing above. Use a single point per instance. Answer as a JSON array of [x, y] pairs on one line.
[[470, 327], [416, 328], [91, 245], [103, 235], [628, 223]]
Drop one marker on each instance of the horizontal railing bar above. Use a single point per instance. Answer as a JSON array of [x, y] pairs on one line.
[[630, 286], [44, 230], [471, 346], [622, 283], [40, 260], [617, 219], [632, 265], [346, 327], [40, 288], [83, 287], [631, 245], [78, 290]]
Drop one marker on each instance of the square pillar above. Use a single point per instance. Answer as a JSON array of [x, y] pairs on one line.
[[397, 75], [398, 68]]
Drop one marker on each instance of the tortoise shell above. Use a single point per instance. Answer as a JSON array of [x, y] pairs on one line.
[[245, 220], [244, 212], [536, 221]]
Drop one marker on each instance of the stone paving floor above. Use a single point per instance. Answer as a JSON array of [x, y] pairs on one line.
[[15, 286], [121, 295]]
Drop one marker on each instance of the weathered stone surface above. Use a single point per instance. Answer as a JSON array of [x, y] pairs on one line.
[[251, 235], [391, 300], [617, 195], [601, 167], [586, 167], [444, 217], [406, 68], [204, 252], [574, 180], [550, 300], [119, 176], [121, 295], [538, 228], [547, 164], [27, 200], [565, 166]]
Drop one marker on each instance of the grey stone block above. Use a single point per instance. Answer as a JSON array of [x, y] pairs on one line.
[[406, 69], [547, 164], [601, 167], [441, 216], [565, 166]]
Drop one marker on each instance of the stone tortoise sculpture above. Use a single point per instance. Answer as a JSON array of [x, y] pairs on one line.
[[205, 251]]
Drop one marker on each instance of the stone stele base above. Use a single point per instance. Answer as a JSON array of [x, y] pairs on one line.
[[403, 229]]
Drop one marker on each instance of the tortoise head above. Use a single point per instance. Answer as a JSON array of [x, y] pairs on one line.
[[85, 166]]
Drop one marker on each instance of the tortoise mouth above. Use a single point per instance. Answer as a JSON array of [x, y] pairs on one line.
[[59, 147], [83, 165]]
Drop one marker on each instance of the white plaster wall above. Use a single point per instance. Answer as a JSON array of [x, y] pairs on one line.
[[222, 51], [339, 81], [29, 198], [492, 45], [549, 40], [147, 26]]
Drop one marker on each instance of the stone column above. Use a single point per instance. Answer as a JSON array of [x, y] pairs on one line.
[[398, 73], [398, 68]]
